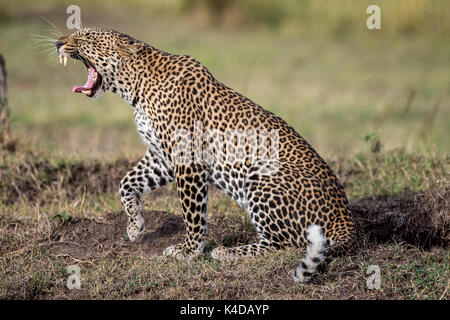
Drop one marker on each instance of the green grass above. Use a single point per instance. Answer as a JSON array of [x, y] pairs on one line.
[[392, 173], [334, 91], [34, 268]]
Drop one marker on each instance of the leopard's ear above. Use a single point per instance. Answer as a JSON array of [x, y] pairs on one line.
[[128, 50]]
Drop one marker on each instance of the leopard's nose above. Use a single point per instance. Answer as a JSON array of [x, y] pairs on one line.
[[59, 44]]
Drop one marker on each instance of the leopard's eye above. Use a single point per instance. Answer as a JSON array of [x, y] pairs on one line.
[[81, 38]]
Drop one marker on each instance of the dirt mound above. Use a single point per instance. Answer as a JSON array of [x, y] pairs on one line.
[[421, 219]]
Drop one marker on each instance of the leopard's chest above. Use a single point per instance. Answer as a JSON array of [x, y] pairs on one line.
[[146, 130]]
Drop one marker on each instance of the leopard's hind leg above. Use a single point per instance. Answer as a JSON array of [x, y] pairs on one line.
[[250, 250], [269, 206]]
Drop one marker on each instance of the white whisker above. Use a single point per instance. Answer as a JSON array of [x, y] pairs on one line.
[[53, 32], [43, 41], [44, 48], [47, 50], [42, 37], [54, 26]]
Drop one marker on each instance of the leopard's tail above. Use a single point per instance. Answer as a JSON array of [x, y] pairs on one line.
[[319, 254], [315, 254]]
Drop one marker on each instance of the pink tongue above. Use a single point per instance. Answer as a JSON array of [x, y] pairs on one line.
[[89, 83]]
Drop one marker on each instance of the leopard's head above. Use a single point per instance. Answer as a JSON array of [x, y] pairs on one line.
[[105, 54]]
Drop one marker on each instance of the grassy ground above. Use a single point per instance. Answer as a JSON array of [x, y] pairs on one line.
[[67, 213], [374, 104]]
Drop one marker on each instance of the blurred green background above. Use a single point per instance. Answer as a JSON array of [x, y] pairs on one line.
[[312, 62]]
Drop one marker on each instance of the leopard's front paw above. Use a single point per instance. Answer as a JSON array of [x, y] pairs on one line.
[[180, 252], [135, 228]]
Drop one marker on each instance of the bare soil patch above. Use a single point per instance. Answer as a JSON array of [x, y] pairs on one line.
[[84, 238]]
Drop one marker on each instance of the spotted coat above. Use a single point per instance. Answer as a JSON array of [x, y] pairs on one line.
[[172, 93]]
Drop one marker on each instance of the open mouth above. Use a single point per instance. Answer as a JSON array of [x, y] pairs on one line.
[[93, 81]]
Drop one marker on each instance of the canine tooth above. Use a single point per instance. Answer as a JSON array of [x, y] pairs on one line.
[[60, 58], [65, 61]]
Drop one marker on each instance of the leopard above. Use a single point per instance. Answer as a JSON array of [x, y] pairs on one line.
[[201, 134]]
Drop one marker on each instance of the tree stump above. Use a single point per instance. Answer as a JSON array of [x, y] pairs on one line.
[[5, 133]]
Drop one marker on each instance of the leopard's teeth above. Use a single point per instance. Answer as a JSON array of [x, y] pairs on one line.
[[65, 61], [60, 58]]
